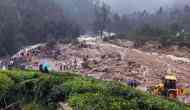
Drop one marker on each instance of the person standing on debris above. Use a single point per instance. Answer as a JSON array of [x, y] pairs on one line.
[[75, 63], [64, 66], [133, 83], [11, 63], [45, 68], [85, 63], [61, 67]]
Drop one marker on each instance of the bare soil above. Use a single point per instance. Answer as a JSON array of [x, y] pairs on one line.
[[108, 61]]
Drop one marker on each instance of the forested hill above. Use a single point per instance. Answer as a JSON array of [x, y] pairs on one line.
[[24, 22], [82, 11]]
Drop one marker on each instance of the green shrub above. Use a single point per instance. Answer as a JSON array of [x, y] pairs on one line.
[[120, 90], [36, 106], [80, 85], [5, 86], [83, 93], [92, 101], [18, 75], [25, 90], [43, 87], [157, 103]]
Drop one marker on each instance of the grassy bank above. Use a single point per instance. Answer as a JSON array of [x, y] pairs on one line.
[[36, 91]]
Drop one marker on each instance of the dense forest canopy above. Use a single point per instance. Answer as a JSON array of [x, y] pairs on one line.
[[172, 20], [81, 11], [25, 22]]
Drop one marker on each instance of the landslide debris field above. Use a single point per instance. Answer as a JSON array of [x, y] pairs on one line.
[[109, 61]]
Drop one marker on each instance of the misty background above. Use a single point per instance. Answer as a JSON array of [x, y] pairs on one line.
[[27, 22], [129, 6]]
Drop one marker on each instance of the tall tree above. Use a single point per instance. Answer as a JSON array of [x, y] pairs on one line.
[[102, 18]]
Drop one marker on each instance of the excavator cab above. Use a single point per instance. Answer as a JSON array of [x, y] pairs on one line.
[[170, 89]]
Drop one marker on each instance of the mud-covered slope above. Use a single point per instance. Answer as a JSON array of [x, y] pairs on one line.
[[108, 61]]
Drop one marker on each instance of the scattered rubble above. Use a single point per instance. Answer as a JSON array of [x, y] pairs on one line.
[[109, 61]]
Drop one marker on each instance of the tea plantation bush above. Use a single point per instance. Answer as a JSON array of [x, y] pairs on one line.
[[97, 101], [36, 106], [37, 91]]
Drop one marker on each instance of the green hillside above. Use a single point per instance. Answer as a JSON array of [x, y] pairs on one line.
[[36, 91]]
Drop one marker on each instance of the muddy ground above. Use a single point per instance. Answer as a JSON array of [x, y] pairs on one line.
[[109, 61]]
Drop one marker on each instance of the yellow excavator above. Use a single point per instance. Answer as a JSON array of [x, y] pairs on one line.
[[167, 88]]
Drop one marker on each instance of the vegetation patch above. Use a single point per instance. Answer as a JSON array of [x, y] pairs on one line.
[[36, 91]]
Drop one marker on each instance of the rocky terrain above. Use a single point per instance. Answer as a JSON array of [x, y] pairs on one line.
[[109, 61]]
